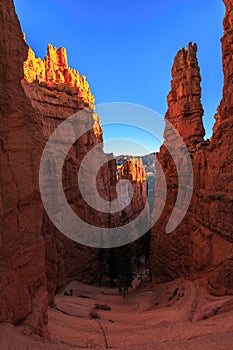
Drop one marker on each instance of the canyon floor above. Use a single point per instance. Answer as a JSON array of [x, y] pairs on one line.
[[177, 315]]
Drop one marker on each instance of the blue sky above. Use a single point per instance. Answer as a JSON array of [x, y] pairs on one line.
[[126, 47]]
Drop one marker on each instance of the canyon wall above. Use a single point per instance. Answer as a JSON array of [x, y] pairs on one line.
[[201, 246], [56, 92], [36, 260], [23, 290], [36, 96]]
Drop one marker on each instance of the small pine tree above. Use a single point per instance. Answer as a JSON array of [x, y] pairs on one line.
[[125, 272], [146, 240], [112, 268], [101, 259]]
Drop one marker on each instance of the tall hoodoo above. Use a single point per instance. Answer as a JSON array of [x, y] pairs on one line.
[[225, 110], [184, 100], [201, 246]]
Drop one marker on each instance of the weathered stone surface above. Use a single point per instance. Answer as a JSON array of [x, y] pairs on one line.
[[23, 291], [201, 246]]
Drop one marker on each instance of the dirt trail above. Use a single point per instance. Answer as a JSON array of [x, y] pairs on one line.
[[177, 315]]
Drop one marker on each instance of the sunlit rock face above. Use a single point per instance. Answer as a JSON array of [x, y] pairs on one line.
[[133, 170], [201, 246], [54, 70]]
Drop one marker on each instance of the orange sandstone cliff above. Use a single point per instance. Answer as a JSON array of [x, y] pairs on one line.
[[201, 246]]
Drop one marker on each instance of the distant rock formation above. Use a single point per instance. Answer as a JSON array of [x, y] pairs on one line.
[[134, 171], [201, 246], [148, 162]]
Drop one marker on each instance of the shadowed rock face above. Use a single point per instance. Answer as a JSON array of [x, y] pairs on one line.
[[23, 292], [201, 246]]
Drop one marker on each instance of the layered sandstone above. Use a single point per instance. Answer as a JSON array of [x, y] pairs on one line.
[[201, 246]]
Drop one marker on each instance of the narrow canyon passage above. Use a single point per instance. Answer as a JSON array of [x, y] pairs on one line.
[[160, 291]]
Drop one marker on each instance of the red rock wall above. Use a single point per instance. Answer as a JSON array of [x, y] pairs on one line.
[[201, 246], [34, 255], [54, 100], [23, 290]]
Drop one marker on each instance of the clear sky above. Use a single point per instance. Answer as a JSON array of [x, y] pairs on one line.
[[126, 47]]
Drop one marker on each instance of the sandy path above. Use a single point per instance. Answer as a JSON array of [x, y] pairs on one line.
[[178, 315]]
